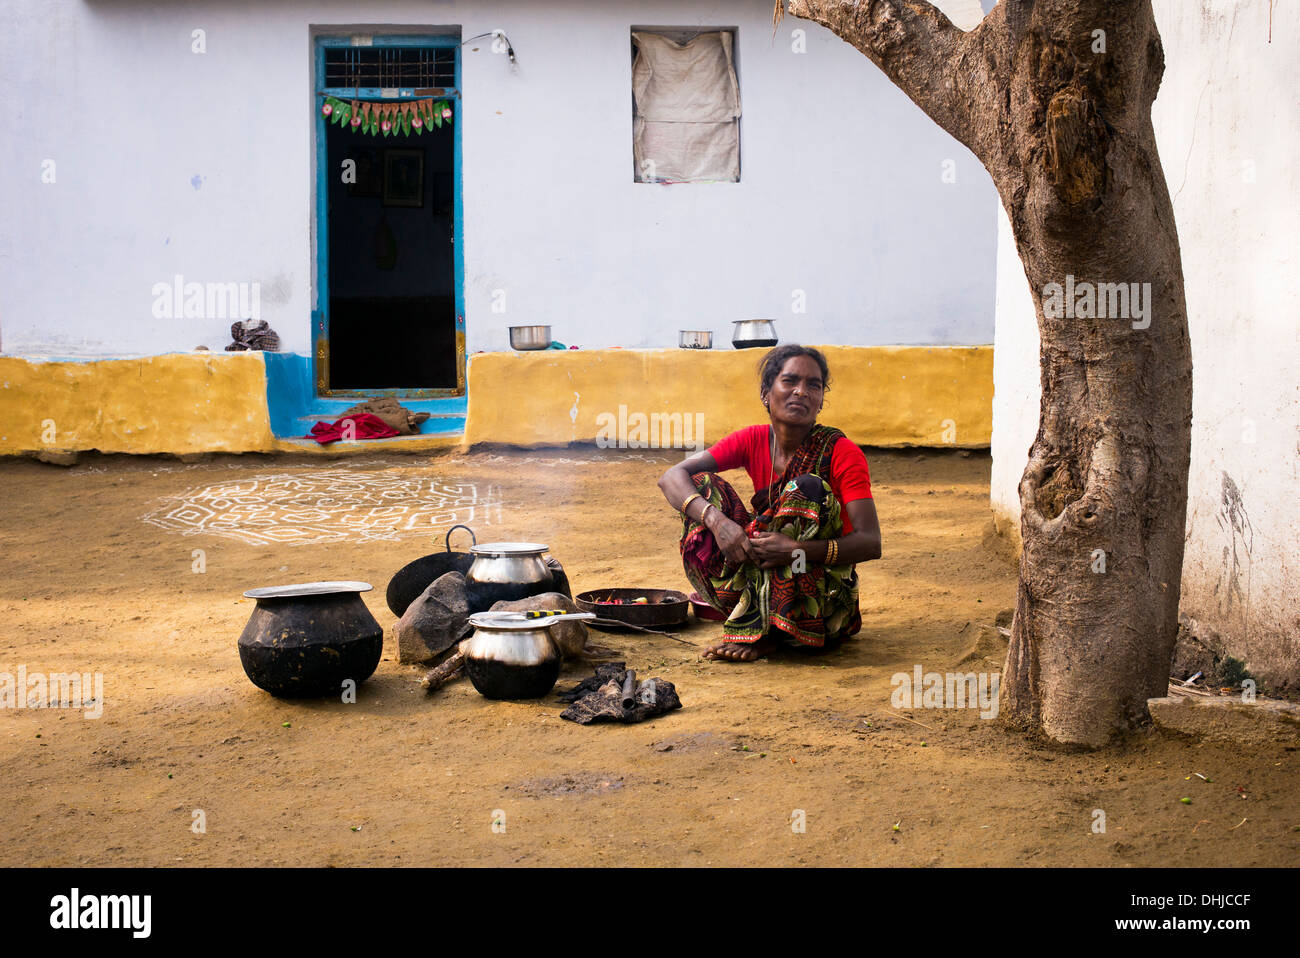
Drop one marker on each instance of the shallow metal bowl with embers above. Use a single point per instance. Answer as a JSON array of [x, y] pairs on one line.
[[662, 607]]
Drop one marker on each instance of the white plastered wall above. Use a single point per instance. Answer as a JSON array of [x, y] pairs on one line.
[[173, 163]]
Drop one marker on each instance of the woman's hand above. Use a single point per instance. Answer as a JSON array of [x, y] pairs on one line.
[[731, 538], [772, 550]]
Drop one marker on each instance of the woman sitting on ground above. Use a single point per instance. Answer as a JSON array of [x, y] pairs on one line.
[[788, 567]]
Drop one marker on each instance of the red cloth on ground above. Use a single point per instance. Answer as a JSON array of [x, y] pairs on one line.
[[366, 426], [751, 449]]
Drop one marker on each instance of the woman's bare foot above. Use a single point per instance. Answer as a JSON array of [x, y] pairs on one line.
[[741, 651]]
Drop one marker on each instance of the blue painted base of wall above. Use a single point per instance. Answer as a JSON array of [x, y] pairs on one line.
[[294, 406]]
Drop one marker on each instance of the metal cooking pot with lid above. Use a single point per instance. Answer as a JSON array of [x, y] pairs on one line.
[[508, 659], [507, 571]]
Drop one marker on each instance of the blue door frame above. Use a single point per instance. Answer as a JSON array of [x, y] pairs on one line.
[[320, 313]]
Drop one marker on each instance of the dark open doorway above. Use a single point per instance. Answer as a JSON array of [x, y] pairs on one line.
[[388, 317], [392, 296]]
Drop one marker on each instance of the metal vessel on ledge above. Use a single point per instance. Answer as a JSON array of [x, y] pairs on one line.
[[750, 333], [695, 338], [530, 337]]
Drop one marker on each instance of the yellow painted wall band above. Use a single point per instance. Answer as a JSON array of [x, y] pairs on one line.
[[188, 403], [879, 395]]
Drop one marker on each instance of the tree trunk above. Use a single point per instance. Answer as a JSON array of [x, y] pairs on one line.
[[1054, 97]]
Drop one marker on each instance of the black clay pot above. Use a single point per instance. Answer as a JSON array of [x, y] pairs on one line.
[[307, 640]]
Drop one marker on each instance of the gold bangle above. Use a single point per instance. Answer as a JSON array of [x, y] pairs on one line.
[[832, 551], [689, 499]]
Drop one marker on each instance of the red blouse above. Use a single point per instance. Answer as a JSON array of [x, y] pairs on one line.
[[751, 448]]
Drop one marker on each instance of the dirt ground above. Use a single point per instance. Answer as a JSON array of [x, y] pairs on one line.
[[403, 778]]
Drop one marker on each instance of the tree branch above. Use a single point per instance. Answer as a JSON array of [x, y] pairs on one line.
[[936, 64]]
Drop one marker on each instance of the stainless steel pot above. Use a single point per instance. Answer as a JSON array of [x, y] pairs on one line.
[[511, 660], [695, 339], [753, 332], [506, 570], [530, 337]]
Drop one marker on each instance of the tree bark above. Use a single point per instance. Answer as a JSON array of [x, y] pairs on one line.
[[1060, 115]]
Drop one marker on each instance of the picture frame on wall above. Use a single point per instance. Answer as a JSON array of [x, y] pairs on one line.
[[369, 174], [404, 178]]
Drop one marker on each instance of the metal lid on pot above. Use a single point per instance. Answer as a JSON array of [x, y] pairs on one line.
[[487, 620], [508, 549], [307, 588]]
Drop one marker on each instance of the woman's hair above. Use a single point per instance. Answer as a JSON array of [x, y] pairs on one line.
[[771, 365]]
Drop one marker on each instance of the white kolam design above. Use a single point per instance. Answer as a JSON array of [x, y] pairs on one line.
[[327, 506]]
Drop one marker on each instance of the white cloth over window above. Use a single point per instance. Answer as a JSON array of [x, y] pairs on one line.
[[686, 99]]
